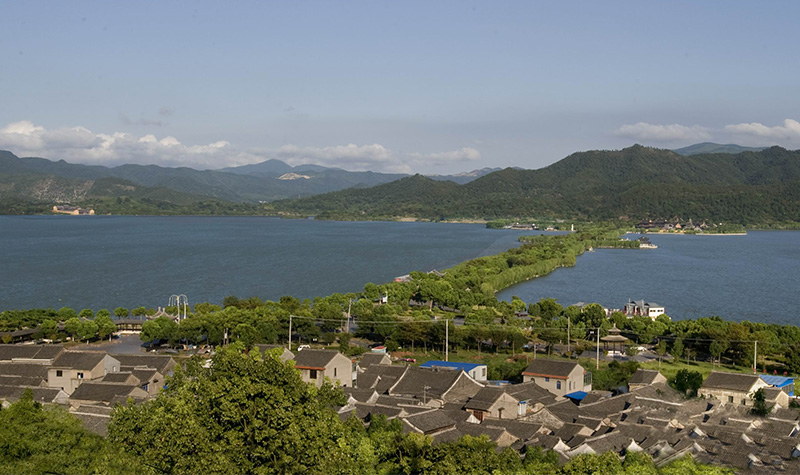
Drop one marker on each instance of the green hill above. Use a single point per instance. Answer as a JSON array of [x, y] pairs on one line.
[[711, 147], [633, 183]]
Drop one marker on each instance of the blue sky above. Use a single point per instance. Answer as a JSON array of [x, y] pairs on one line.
[[428, 87]]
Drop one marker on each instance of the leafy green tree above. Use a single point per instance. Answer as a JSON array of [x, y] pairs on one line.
[[162, 328], [661, 351], [73, 326], [677, 349], [65, 313], [245, 414], [687, 382], [49, 328], [47, 439], [103, 312], [86, 313], [760, 407], [105, 326], [638, 463], [139, 311], [717, 348], [121, 312], [87, 330], [344, 342], [246, 334]]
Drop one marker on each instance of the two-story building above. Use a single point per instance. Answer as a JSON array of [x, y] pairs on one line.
[[316, 365], [71, 368], [559, 377]]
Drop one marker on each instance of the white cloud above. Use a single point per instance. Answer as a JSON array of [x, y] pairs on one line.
[[352, 157], [789, 131], [81, 145], [466, 154], [663, 133]]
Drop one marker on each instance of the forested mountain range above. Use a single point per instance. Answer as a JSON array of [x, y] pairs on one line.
[[710, 147], [753, 187], [31, 181]]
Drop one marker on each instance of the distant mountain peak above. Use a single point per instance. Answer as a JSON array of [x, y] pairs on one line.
[[711, 147]]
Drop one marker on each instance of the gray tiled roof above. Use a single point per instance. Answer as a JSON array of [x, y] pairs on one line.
[[371, 358], [121, 378], [380, 377], [314, 359], [34, 370], [43, 395], [484, 398], [430, 421], [643, 376], [162, 363], [102, 392], [36, 352], [83, 360], [434, 383], [730, 381], [550, 368]]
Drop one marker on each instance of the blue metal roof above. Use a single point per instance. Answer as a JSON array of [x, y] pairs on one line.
[[577, 395], [777, 381], [467, 367]]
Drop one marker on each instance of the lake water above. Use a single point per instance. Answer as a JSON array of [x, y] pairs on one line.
[[111, 261], [754, 277]]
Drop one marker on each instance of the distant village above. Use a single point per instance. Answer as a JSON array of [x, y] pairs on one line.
[[554, 407]]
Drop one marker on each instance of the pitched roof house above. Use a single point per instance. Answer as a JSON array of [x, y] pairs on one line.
[[494, 403], [316, 365], [732, 388], [71, 368], [559, 377], [645, 377], [440, 385]]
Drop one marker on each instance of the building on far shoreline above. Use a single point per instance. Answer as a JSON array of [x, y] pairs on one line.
[[72, 210]]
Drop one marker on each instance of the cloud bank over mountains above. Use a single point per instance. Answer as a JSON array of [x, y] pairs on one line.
[[753, 133], [81, 145]]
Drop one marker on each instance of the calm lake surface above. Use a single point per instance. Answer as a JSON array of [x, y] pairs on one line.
[[754, 277], [111, 261]]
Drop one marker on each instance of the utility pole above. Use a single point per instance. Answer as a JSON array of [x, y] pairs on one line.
[[755, 356], [446, 340], [349, 305], [598, 349], [569, 320], [290, 333]]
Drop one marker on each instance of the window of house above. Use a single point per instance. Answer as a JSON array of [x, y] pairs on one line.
[[558, 384], [730, 398], [546, 380], [313, 374], [59, 373], [80, 375], [334, 372], [744, 402]]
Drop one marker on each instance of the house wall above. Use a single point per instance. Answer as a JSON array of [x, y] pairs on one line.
[[740, 398], [574, 382], [71, 378], [505, 408], [479, 373], [339, 369]]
